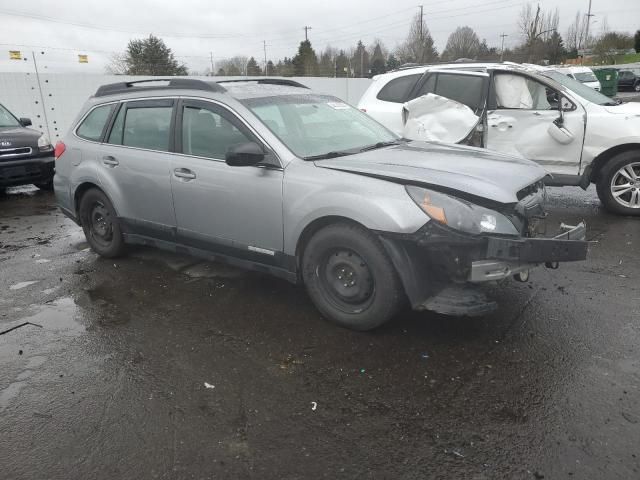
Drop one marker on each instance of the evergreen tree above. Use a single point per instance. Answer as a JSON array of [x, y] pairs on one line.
[[392, 62], [360, 61], [636, 41], [150, 56], [221, 72], [305, 63], [271, 68], [253, 69], [378, 65]]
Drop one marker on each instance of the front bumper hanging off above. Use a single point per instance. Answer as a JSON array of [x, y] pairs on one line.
[[441, 269]]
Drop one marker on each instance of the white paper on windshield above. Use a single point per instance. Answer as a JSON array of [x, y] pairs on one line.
[[338, 105], [436, 118]]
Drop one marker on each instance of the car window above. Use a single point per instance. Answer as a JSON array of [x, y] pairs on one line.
[[93, 125], [143, 127], [318, 124], [7, 119], [397, 89], [207, 133], [466, 89], [517, 92], [429, 86], [585, 77]]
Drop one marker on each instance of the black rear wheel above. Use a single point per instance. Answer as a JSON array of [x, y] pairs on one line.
[[100, 224], [350, 278]]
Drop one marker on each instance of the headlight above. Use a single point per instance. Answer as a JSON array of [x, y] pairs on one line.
[[44, 143], [459, 214]]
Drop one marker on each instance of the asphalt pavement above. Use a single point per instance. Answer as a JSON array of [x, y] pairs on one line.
[[162, 366]]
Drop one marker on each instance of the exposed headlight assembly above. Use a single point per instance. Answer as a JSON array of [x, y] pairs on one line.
[[459, 214], [44, 144]]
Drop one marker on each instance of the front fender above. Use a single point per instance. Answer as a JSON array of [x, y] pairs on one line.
[[312, 193]]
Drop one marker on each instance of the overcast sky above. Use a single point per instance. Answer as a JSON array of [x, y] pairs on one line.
[[194, 28]]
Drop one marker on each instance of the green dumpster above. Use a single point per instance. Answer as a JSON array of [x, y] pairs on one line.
[[608, 78]]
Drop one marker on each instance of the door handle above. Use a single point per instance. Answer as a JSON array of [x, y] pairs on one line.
[[110, 161], [184, 173]]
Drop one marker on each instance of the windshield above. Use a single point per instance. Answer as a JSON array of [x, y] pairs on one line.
[[585, 92], [585, 77], [6, 119], [318, 125]]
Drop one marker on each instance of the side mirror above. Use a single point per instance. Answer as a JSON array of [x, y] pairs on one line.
[[244, 155], [25, 122]]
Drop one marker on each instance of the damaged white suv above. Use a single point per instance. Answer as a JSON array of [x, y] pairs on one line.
[[516, 109]]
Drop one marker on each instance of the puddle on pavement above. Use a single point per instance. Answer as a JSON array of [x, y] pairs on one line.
[[59, 318]]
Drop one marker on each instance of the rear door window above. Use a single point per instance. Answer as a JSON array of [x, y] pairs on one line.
[[397, 90], [94, 124], [466, 89], [144, 124]]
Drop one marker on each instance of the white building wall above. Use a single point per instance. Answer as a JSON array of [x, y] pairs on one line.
[[52, 100]]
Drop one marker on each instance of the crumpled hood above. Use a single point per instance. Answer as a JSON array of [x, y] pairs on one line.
[[630, 108], [470, 170]]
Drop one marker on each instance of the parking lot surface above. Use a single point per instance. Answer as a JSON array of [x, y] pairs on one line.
[[162, 366]]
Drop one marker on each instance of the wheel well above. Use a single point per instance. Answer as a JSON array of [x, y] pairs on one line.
[[310, 230], [80, 191], [600, 161]]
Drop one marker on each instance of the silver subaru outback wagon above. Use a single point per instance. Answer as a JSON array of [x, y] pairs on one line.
[[268, 175]]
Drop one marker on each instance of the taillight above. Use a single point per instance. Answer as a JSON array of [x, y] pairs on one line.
[[59, 150]]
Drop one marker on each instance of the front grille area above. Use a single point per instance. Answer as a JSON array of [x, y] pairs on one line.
[[10, 153]]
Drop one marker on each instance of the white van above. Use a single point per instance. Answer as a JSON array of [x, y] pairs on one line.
[[582, 74]]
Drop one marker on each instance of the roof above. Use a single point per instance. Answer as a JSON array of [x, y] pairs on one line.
[[245, 87]]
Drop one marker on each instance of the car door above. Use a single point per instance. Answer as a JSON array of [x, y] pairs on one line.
[[523, 119], [134, 166], [469, 88], [231, 210]]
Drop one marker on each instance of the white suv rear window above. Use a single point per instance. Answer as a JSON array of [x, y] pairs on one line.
[[397, 89]]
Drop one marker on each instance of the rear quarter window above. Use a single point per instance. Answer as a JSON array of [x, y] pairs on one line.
[[398, 89], [93, 125]]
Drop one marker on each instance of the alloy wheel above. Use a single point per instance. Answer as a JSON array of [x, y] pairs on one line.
[[625, 185]]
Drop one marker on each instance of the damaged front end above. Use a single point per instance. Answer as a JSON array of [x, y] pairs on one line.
[[443, 264]]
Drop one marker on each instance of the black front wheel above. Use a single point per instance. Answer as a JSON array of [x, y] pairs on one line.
[[350, 277], [100, 224]]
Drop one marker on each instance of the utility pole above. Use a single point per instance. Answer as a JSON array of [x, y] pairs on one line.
[[589, 15], [306, 33], [421, 35], [502, 49], [213, 68], [264, 43]]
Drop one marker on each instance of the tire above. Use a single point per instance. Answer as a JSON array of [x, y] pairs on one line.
[[350, 278], [100, 224], [619, 184], [47, 186], [636, 87]]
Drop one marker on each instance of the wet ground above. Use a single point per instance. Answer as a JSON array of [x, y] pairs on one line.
[[159, 366]]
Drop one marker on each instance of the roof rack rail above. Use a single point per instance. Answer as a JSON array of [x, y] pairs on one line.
[[173, 83], [267, 81]]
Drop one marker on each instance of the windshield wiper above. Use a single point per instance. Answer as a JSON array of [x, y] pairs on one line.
[[380, 145], [333, 154]]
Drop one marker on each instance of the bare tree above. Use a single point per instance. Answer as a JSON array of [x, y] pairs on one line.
[[462, 43], [418, 46], [117, 64], [577, 32]]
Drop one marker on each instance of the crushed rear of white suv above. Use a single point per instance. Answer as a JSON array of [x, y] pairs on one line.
[[268, 175], [577, 134]]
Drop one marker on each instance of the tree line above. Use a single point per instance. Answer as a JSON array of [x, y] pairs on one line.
[[541, 42]]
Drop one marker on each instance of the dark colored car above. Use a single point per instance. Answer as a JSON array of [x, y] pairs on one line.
[[26, 155], [627, 80]]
